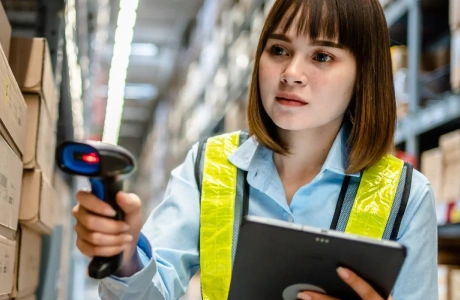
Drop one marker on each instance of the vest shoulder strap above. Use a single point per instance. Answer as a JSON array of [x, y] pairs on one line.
[[222, 192], [373, 205], [199, 161]]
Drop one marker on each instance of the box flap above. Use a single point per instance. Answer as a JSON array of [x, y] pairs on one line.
[[33, 119], [5, 31], [10, 186], [13, 109], [26, 61], [7, 255], [37, 202], [49, 89], [41, 137], [46, 144], [29, 262], [9, 139], [31, 63], [31, 191], [47, 204]]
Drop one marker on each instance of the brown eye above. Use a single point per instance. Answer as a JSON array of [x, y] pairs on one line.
[[277, 50], [322, 57]]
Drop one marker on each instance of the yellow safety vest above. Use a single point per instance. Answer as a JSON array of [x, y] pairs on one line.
[[371, 206]]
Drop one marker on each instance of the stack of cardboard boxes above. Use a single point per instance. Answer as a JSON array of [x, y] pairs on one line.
[[27, 141], [13, 127], [449, 282], [454, 10], [442, 168]]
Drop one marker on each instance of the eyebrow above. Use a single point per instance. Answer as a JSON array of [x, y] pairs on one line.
[[324, 43]]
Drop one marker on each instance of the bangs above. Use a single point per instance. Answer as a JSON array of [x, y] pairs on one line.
[[336, 20]]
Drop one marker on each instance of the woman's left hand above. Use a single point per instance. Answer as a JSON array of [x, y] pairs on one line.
[[362, 288]]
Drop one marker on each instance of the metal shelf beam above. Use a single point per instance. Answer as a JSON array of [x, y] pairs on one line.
[[429, 118], [451, 231], [396, 10]]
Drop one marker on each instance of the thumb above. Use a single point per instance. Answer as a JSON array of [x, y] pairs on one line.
[[129, 203]]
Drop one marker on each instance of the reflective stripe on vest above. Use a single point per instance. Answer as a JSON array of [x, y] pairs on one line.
[[368, 214], [218, 193], [374, 200]]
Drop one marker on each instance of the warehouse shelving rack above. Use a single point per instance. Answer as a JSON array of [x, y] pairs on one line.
[[46, 18]]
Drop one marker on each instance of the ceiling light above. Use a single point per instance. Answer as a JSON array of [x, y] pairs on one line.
[[118, 70], [144, 49]]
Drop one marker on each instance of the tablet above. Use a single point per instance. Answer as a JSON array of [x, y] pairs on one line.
[[276, 260]]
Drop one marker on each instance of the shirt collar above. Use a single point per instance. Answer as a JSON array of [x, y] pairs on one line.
[[242, 156], [336, 160], [337, 157]]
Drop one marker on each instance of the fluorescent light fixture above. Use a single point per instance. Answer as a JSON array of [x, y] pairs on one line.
[[137, 91], [118, 70], [74, 70], [144, 49]]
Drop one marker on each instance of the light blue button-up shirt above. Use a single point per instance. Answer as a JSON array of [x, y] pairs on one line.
[[173, 227]]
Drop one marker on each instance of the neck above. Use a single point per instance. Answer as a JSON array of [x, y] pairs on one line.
[[308, 152]]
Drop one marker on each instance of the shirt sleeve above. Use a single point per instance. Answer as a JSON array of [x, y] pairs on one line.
[[172, 232], [418, 232]]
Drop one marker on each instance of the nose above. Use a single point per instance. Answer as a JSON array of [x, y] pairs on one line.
[[294, 73]]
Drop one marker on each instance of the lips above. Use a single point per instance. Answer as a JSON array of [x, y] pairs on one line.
[[290, 99]]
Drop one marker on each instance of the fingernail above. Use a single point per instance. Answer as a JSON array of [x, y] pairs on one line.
[[303, 296], [110, 212], [344, 274], [125, 227], [128, 238]]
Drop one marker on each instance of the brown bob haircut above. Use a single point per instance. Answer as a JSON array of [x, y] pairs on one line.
[[360, 27]]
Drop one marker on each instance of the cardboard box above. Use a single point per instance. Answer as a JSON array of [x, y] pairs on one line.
[[455, 60], [27, 263], [7, 254], [30, 61], [455, 284], [37, 203], [445, 287], [432, 168], [454, 14], [10, 186], [5, 31], [451, 187], [31, 297], [13, 110], [450, 146], [41, 137]]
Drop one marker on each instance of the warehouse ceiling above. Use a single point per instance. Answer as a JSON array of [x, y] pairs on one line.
[[158, 37]]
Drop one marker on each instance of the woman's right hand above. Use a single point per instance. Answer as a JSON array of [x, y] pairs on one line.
[[99, 235]]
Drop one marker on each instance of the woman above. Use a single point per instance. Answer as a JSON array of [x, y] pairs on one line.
[[321, 112]]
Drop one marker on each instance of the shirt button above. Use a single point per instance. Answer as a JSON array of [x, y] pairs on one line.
[[290, 219]]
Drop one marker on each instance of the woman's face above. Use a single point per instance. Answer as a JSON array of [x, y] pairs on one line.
[[304, 83]]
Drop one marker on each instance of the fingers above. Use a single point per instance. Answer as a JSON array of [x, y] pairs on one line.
[[99, 239], [92, 251], [97, 223], [313, 296], [94, 205], [361, 287], [129, 203]]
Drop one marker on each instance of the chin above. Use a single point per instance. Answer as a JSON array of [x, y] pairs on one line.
[[295, 125]]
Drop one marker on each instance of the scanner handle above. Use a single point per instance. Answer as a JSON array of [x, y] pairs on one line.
[[106, 189]]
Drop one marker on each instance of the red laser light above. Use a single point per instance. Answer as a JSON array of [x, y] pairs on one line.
[[90, 158]]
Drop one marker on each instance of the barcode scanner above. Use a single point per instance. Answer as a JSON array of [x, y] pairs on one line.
[[106, 166]]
